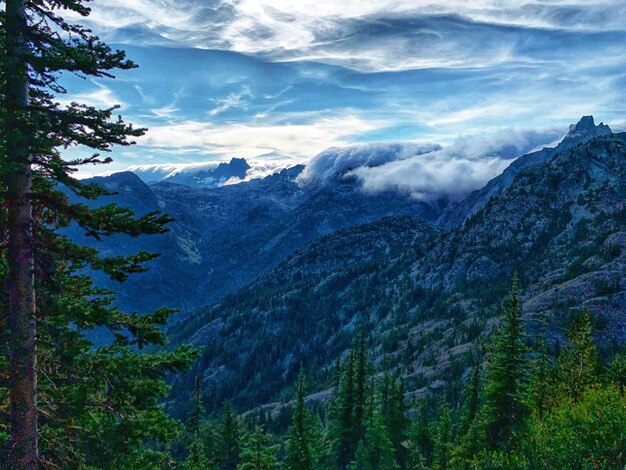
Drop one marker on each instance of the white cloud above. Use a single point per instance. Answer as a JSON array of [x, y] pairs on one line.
[[455, 170], [233, 100], [253, 140], [337, 161], [339, 32], [165, 171], [100, 97]]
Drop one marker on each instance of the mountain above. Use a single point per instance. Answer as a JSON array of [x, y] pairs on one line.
[[204, 175], [425, 296], [224, 237], [581, 132]]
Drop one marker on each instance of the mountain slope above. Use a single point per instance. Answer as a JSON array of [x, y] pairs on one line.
[[581, 132], [426, 297], [225, 237]]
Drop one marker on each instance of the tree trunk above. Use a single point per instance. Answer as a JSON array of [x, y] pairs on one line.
[[21, 313]]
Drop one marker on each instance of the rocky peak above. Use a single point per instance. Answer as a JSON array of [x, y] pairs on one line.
[[586, 128]]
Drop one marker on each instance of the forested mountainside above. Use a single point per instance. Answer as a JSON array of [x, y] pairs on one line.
[[426, 297], [224, 237]]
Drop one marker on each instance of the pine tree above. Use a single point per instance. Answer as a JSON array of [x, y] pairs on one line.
[[258, 454], [301, 453], [17, 186], [616, 373], [504, 408], [350, 406], [578, 366], [360, 387], [91, 406], [471, 402], [443, 438], [541, 386], [343, 423], [230, 444], [394, 414], [375, 451], [197, 458], [421, 441]]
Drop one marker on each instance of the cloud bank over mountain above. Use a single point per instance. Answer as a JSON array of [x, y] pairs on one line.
[[430, 171], [337, 161], [423, 170], [281, 81]]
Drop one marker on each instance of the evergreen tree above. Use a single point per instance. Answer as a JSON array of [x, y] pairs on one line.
[[258, 454], [230, 443], [195, 443], [301, 454], [343, 423], [541, 386], [375, 451], [616, 372], [394, 414], [420, 439], [471, 402], [360, 387], [470, 438], [578, 366], [443, 438], [350, 406], [504, 408], [91, 406]]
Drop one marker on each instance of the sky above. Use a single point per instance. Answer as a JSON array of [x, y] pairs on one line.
[[278, 82]]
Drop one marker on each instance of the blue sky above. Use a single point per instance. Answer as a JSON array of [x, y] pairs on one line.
[[279, 81]]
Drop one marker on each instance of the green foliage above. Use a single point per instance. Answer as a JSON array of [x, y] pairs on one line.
[[375, 451], [257, 453], [443, 438], [589, 432], [557, 430], [98, 406], [578, 366], [504, 409], [301, 452], [348, 426], [230, 443]]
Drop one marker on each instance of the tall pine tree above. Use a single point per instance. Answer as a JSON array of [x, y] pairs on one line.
[[578, 365], [230, 444], [300, 452], [506, 375], [88, 406]]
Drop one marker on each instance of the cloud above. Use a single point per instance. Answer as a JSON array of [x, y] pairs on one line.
[[337, 161], [233, 100], [280, 139], [365, 35], [282, 81], [455, 170], [164, 171], [100, 97]]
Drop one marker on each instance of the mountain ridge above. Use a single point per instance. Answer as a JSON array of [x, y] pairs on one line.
[[560, 224]]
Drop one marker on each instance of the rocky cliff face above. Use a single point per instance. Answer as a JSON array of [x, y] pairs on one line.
[[581, 132], [426, 296]]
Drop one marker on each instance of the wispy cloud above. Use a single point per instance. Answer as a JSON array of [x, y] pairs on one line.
[[382, 35], [100, 96], [233, 100], [282, 140], [278, 80]]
